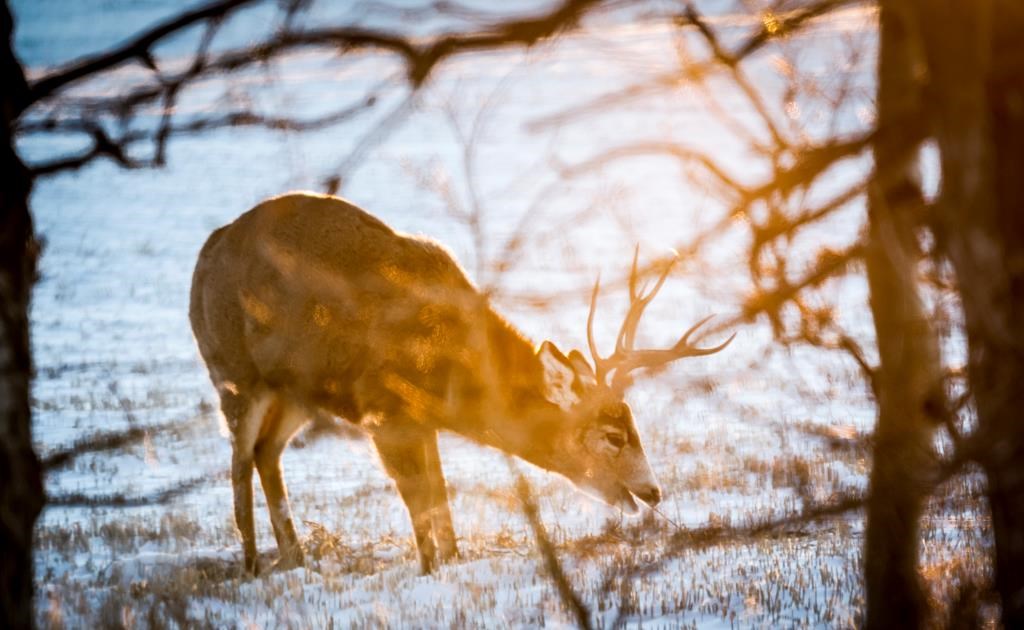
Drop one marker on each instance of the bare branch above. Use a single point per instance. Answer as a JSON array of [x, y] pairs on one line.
[[738, 76], [138, 48], [118, 149], [569, 597], [778, 226], [78, 499], [711, 535], [853, 349], [107, 442], [811, 162], [377, 134], [420, 60], [96, 444], [770, 30], [684, 155], [829, 264], [605, 101], [102, 146], [776, 27]]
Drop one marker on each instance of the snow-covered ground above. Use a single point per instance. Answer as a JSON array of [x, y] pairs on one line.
[[728, 435]]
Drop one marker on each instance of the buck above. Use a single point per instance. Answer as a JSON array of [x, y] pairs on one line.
[[307, 305]]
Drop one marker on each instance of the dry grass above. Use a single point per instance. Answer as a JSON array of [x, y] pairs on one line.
[[166, 567]]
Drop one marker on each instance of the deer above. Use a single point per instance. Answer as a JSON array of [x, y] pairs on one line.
[[308, 305]]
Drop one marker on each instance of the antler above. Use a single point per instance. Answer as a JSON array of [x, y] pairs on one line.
[[626, 358]]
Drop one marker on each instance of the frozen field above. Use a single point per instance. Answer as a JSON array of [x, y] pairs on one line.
[[758, 431]]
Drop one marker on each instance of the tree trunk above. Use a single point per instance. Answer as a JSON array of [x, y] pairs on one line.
[[976, 65], [908, 378], [997, 361], [21, 489]]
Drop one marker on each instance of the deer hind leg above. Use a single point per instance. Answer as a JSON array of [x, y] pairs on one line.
[[403, 453], [440, 512], [241, 483], [243, 415], [281, 422]]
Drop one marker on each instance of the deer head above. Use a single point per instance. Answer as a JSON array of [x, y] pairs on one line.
[[602, 452]]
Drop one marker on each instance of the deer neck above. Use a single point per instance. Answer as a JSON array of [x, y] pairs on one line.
[[503, 405]]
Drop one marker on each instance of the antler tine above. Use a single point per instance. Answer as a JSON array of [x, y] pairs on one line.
[[633, 274], [638, 301], [598, 360], [684, 349], [654, 359], [685, 339]]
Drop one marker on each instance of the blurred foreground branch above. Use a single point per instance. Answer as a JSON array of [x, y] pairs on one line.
[[553, 566], [102, 442], [120, 500]]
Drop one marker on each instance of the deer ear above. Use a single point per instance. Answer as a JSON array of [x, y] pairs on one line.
[[559, 376], [584, 373]]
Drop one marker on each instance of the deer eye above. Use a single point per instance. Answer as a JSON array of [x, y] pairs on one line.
[[615, 439]]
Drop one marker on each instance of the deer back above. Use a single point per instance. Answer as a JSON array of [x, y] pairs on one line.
[[312, 294]]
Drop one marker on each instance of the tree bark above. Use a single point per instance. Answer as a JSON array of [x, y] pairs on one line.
[[997, 362], [908, 378], [21, 489], [976, 68]]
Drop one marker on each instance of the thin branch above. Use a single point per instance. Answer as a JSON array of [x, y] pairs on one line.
[[779, 27], [731, 62], [107, 442], [377, 134], [829, 264], [638, 149], [118, 149], [171, 93], [712, 535], [779, 226], [139, 48], [811, 162], [428, 11], [119, 500], [600, 103], [102, 146], [547, 552], [475, 217], [869, 371], [793, 21], [96, 444], [420, 59], [244, 118]]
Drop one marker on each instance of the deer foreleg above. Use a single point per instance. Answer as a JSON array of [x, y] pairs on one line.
[[441, 514], [403, 454]]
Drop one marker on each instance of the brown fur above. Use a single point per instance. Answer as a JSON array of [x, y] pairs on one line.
[[307, 304]]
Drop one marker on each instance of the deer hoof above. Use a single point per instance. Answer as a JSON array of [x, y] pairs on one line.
[[448, 554], [250, 568], [288, 561]]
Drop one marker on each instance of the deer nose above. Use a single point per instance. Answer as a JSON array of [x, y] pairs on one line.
[[651, 496]]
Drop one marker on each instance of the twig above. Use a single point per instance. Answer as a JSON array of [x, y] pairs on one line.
[[78, 499], [117, 149], [377, 134], [107, 442], [139, 48], [547, 551], [711, 535]]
